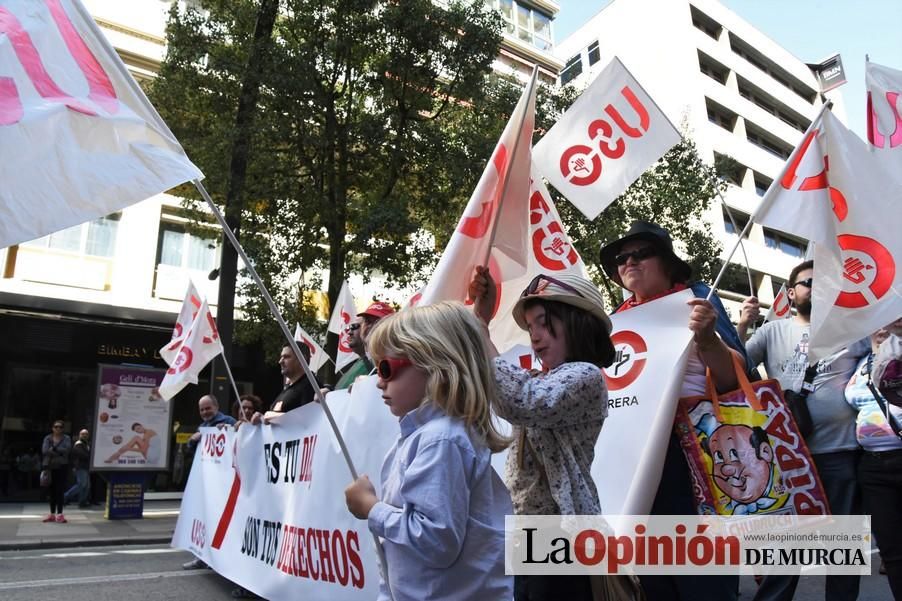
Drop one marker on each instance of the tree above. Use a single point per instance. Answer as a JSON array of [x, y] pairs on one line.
[[349, 100]]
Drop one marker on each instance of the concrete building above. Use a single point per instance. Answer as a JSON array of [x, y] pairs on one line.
[[528, 38], [739, 94]]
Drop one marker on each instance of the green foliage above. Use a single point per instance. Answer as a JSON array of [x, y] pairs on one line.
[[353, 95]]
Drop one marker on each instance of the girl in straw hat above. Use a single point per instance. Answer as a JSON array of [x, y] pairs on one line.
[[556, 414]]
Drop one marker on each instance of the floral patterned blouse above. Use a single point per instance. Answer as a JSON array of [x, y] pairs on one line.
[[556, 418]]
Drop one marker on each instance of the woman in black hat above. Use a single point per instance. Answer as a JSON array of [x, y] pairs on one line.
[[643, 262]]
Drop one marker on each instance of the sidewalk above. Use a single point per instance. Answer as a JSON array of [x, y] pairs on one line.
[[21, 527]]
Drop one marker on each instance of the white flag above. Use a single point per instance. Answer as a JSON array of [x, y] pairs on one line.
[[780, 309], [318, 356], [189, 309], [838, 194], [884, 119], [78, 138], [550, 252], [643, 385], [198, 348], [504, 182], [605, 141], [345, 310]]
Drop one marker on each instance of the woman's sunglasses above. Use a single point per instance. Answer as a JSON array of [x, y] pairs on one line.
[[641, 254], [541, 281], [389, 368]]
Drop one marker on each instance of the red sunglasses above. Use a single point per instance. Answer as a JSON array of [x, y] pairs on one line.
[[389, 368]]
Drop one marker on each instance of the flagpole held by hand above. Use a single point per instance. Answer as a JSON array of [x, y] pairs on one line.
[[320, 397]]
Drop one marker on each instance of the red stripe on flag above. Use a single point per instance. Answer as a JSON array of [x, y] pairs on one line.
[[227, 513]]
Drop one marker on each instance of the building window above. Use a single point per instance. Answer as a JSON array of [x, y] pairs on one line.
[[759, 137], [775, 284], [784, 243], [762, 184], [572, 69], [179, 248], [778, 73], [720, 115], [524, 23], [729, 169], [712, 68], [703, 22], [594, 53], [771, 105], [96, 238], [739, 217]]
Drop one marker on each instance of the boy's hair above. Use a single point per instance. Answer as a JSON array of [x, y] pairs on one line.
[[585, 335], [445, 340], [794, 274]]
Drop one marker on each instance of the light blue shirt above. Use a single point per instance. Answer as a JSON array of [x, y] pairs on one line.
[[442, 514]]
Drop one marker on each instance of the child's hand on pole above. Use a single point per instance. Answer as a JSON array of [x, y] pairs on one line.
[[360, 497]]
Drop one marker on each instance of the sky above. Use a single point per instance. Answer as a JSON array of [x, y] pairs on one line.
[[810, 29]]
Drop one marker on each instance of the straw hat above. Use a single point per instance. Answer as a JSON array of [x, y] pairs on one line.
[[566, 288]]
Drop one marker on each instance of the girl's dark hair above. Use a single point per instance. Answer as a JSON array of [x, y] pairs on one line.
[[587, 336], [254, 399]]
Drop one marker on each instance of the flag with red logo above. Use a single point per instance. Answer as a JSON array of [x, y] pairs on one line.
[[199, 347], [318, 356], [550, 252], [189, 309], [344, 312], [837, 194], [884, 118], [780, 309], [605, 141], [496, 214], [78, 138]]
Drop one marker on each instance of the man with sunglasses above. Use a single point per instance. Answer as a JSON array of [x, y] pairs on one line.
[[357, 333], [782, 346]]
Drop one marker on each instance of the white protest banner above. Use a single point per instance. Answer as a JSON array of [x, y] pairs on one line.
[[884, 119], [836, 193], [198, 348], [495, 217], [189, 309], [644, 383], [550, 252], [78, 138], [780, 309], [602, 144], [301, 542], [345, 310], [318, 356]]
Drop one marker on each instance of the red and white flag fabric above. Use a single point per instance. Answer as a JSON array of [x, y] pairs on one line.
[[884, 118], [837, 194], [550, 252], [780, 309], [496, 214], [198, 348], [344, 312], [78, 137], [605, 141], [189, 309], [318, 356]]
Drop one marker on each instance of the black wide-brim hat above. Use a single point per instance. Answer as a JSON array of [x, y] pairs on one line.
[[651, 232]]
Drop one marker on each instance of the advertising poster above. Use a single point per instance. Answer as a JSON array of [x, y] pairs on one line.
[[132, 421]]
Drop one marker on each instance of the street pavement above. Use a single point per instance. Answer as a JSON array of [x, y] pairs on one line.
[[95, 559], [21, 526]]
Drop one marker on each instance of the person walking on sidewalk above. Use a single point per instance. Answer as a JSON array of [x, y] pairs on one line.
[[55, 453], [81, 458]]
